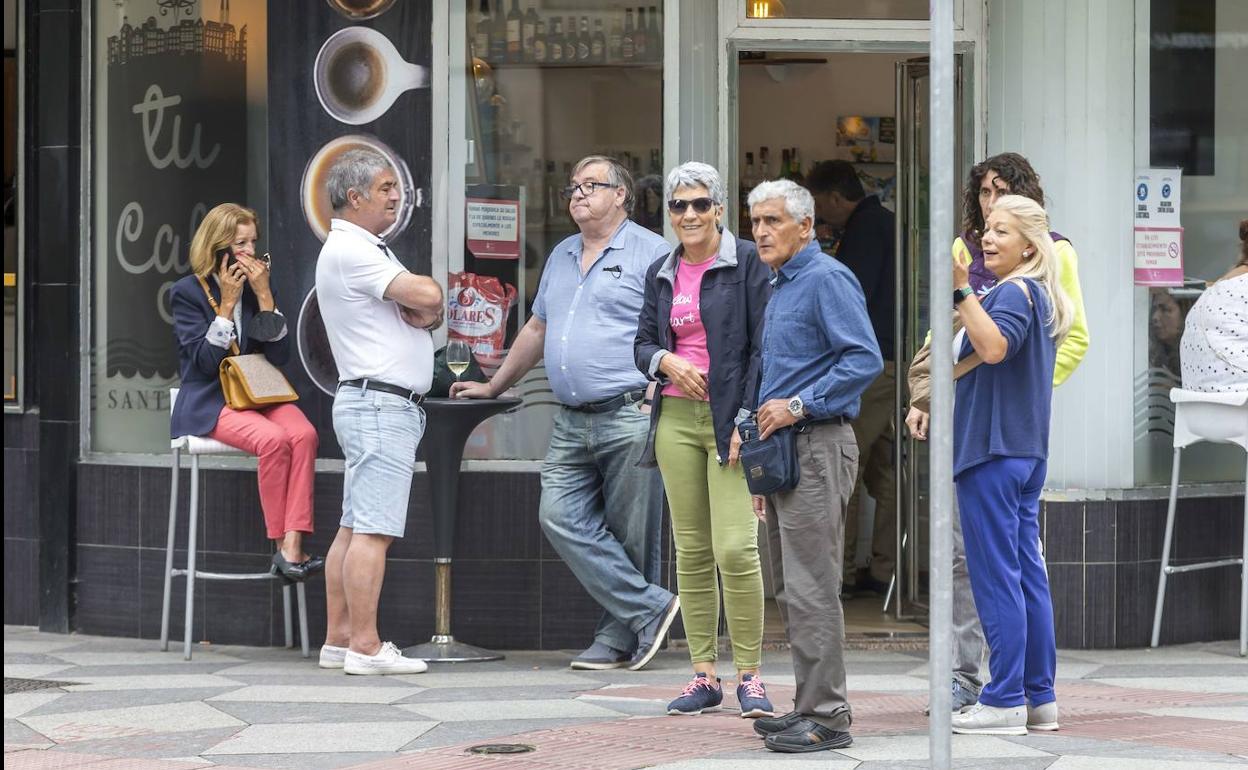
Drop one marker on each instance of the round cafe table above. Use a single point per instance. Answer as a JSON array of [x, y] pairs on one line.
[[450, 422]]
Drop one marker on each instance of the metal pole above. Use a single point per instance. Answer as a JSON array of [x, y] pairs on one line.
[[941, 197]]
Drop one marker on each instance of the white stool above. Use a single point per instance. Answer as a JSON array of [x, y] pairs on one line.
[[1220, 418], [196, 446]]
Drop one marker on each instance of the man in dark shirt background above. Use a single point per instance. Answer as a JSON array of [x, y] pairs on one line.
[[868, 247]]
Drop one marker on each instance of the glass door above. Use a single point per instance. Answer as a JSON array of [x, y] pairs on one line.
[[913, 321]]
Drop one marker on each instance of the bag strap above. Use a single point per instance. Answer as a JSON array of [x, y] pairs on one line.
[[963, 367], [215, 309]]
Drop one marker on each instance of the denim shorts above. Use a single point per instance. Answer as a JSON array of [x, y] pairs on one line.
[[378, 433]]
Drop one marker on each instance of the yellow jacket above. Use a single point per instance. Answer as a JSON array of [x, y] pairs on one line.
[[1073, 348]]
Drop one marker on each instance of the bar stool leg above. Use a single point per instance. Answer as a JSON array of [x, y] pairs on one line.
[[290, 642], [302, 597], [1165, 548], [1243, 578], [192, 546], [169, 543]]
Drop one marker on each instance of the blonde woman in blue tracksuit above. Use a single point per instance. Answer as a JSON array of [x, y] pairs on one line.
[[1001, 442]]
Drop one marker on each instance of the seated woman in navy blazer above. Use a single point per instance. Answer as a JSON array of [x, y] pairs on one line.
[[242, 310]]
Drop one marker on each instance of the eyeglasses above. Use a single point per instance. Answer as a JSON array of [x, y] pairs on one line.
[[586, 189], [700, 205]]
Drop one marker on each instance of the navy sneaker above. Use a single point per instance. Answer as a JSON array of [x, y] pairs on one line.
[[752, 696], [698, 696]]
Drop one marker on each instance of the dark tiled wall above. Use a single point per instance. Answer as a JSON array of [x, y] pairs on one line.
[[1104, 559], [509, 588], [21, 519]]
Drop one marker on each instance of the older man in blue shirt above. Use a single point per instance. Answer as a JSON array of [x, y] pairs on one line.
[[819, 355], [599, 510]]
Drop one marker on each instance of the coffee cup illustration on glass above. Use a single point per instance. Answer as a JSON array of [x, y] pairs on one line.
[[359, 74], [314, 191], [359, 10]]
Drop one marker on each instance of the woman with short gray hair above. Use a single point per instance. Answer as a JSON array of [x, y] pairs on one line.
[[698, 336]]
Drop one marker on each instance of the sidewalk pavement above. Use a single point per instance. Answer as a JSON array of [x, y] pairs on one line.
[[121, 704]]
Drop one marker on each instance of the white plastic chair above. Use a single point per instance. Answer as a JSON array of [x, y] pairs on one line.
[[1220, 418], [196, 446]]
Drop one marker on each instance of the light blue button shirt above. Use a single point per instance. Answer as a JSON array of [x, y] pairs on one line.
[[591, 318]]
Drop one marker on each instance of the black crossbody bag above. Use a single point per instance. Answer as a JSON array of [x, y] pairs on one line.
[[770, 464]]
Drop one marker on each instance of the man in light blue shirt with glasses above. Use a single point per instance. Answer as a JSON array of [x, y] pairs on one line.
[[599, 510]]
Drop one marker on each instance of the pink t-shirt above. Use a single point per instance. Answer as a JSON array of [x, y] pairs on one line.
[[686, 321]]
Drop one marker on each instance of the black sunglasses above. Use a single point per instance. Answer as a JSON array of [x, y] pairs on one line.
[[700, 205]]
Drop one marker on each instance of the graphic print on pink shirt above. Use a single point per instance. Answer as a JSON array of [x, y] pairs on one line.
[[686, 321]]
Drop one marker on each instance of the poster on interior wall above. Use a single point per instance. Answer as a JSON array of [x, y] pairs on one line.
[[868, 139], [170, 143], [342, 74], [1158, 230]]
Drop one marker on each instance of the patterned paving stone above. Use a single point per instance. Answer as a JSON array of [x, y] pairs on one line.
[[1106, 763], [306, 761], [154, 745], [97, 701], [493, 731], [124, 722], [20, 703], [474, 711], [32, 670], [754, 763], [310, 694], [18, 734], [151, 657], [304, 713], [148, 682], [915, 747], [535, 692], [321, 738]]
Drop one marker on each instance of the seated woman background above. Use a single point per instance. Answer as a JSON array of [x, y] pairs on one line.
[[242, 310], [1215, 342]]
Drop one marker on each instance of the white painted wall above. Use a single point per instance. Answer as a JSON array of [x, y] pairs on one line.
[[1060, 90]]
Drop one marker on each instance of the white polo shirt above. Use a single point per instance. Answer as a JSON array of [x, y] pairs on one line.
[[367, 335]]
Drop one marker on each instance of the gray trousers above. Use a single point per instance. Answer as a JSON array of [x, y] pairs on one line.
[[805, 540], [968, 635]]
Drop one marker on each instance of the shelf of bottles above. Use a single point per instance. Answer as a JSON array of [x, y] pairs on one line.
[[790, 168], [550, 39]]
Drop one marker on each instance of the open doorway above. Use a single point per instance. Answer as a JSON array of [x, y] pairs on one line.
[[861, 116]]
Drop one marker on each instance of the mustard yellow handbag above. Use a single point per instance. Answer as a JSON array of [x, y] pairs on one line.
[[250, 381]]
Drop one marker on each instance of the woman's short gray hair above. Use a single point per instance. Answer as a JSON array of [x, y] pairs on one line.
[[695, 174], [798, 201], [354, 170]]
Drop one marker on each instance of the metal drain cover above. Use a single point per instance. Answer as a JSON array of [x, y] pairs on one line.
[[12, 685], [502, 748]]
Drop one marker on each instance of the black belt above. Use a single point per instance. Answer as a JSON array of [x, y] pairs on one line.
[[385, 387], [805, 425], [611, 404]]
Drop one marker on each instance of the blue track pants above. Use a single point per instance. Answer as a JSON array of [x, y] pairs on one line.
[[999, 502]]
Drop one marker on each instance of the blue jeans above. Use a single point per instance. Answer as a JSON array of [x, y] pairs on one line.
[[603, 515], [999, 502]]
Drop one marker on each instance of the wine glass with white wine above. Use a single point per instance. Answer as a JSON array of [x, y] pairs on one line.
[[458, 355]]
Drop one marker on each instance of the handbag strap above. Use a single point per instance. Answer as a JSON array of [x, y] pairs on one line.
[[215, 309], [963, 367]]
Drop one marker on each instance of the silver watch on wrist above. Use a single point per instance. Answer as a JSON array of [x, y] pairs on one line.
[[796, 407]]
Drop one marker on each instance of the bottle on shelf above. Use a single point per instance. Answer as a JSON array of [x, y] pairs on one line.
[[598, 44], [654, 36], [616, 40], [481, 40], [785, 170], [498, 35], [541, 53], [628, 44], [795, 162], [748, 180], [569, 40], [528, 34], [764, 160], [584, 45], [641, 40], [515, 21], [554, 41]]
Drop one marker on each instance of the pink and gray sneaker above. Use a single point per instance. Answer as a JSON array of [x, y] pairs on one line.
[[701, 694]]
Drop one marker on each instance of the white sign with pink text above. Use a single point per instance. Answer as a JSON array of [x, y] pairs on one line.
[[1158, 231]]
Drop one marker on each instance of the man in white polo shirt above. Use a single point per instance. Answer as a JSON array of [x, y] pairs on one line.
[[378, 317]]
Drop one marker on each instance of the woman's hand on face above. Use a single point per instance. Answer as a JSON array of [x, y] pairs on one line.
[[684, 375], [961, 273], [916, 421], [230, 277], [257, 274]]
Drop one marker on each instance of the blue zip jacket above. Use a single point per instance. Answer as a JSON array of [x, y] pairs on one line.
[[735, 291], [1003, 409]]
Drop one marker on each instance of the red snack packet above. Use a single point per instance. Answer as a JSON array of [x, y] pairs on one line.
[[477, 307]]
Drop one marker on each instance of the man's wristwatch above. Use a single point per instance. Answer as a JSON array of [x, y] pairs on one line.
[[796, 407], [961, 294]]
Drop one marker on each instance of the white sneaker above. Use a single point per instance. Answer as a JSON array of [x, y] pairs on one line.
[[388, 660], [331, 656], [991, 720], [1042, 717]]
